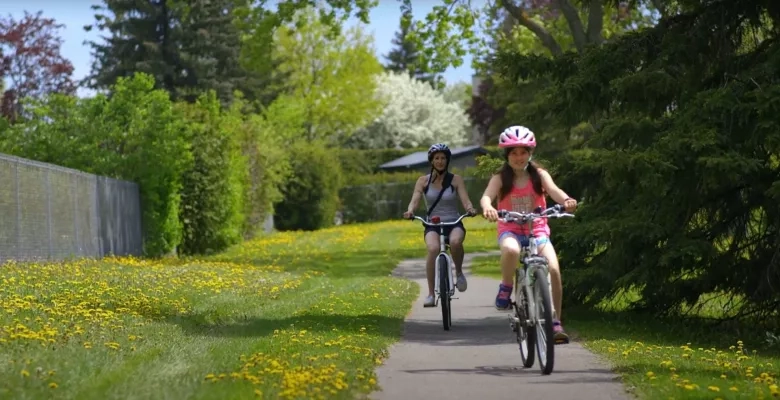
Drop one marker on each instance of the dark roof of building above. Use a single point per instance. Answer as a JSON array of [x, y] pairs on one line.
[[421, 157]]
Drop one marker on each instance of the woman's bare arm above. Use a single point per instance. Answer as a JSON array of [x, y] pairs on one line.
[[416, 194], [491, 192]]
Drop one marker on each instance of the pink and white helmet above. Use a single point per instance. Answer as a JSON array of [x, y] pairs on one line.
[[517, 136]]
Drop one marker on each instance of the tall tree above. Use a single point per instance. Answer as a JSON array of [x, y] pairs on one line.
[[188, 47], [403, 58], [413, 114], [450, 28], [32, 64], [329, 76], [500, 102], [681, 178]]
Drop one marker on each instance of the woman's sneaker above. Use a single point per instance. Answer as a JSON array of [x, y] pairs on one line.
[[461, 283], [502, 298], [430, 301]]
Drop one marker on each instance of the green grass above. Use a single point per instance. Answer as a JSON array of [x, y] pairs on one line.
[[289, 315], [671, 359]]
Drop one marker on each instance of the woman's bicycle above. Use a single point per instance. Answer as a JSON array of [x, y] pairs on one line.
[[444, 285], [533, 319]]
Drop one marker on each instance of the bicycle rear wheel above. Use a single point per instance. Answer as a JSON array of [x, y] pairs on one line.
[[545, 343], [444, 292]]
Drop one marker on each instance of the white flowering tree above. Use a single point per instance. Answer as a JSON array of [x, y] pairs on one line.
[[414, 115]]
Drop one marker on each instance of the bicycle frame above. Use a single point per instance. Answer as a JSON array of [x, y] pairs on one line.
[[531, 260], [436, 223]]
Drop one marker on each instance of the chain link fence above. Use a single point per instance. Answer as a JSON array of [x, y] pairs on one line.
[[49, 212]]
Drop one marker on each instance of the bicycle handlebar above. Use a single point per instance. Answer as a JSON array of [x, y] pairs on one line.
[[555, 211], [413, 217]]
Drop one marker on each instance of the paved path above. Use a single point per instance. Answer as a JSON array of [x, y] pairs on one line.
[[478, 358]]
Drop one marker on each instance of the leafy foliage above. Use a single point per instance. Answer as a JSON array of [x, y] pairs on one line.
[[311, 194], [685, 113], [31, 61], [132, 135], [544, 30], [403, 57], [458, 93], [212, 188], [330, 77], [414, 115]]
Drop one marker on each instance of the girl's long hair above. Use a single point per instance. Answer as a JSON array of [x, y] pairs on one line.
[[508, 178]]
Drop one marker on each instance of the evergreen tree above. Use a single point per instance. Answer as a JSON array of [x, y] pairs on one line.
[[403, 58], [680, 176], [188, 48]]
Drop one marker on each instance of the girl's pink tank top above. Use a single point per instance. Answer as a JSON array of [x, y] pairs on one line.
[[523, 199]]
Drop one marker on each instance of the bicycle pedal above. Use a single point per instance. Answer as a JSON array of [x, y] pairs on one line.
[[561, 341]]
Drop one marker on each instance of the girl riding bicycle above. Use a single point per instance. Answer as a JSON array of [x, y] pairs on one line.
[[442, 190], [521, 186]]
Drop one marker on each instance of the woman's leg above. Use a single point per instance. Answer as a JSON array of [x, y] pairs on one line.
[[510, 256], [456, 249], [432, 245], [548, 251]]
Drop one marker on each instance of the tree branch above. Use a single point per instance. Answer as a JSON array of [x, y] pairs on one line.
[[575, 25], [659, 5], [595, 22], [522, 18]]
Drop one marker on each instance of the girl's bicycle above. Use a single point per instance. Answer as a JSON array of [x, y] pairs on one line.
[[533, 318], [444, 284]]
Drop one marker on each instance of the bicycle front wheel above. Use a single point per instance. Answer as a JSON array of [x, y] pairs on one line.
[[444, 292], [526, 334], [545, 343]]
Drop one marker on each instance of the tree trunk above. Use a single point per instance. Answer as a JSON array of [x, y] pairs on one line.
[[581, 37]]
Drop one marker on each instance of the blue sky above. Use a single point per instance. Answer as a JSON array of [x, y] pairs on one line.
[[74, 14]]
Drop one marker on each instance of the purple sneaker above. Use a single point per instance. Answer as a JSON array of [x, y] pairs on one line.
[[502, 298], [559, 335]]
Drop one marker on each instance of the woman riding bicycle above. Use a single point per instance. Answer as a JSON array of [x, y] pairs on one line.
[[521, 186], [442, 189]]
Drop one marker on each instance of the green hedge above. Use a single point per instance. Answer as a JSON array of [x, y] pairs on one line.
[[311, 194], [213, 188], [207, 175], [380, 202]]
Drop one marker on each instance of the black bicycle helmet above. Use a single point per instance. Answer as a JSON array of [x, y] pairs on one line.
[[439, 147]]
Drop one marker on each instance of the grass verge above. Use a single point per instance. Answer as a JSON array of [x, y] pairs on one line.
[[671, 359], [289, 315]]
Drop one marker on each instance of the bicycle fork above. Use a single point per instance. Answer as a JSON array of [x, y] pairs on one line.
[[527, 284]]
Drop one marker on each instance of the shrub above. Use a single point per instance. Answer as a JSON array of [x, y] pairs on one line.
[[311, 194], [133, 135], [212, 192], [263, 142], [388, 199]]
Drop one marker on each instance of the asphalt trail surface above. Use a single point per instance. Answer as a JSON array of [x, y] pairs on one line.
[[478, 358]]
